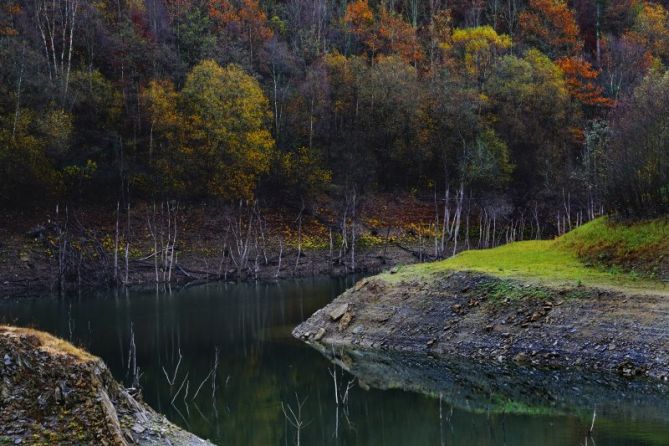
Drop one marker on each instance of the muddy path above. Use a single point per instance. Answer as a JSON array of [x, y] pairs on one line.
[[482, 318]]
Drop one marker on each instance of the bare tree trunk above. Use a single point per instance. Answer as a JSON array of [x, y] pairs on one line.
[[353, 223], [299, 237], [458, 213], [278, 268], [446, 220], [127, 248], [17, 110], [118, 209]]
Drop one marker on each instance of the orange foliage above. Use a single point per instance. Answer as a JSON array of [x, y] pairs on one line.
[[222, 12], [389, 34], [359, 17], [399, 37], [551, 26], [7, 12], [248, 21], [651, 30], [581, 77]]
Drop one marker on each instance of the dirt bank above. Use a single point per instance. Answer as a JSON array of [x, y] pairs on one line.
[[484, 318], [54, 393], [171, 243]]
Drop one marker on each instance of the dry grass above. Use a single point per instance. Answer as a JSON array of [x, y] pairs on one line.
[[48, 343]]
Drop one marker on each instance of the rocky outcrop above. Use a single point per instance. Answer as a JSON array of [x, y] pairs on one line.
[[54, 393], [484, 318]]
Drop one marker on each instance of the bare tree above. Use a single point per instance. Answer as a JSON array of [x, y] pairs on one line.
[[294, 417], [56, 22]]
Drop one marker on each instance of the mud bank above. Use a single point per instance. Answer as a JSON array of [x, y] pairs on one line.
[[487, 319], [41, 277], [54, 393]]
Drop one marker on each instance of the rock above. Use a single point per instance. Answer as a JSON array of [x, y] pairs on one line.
[[338, 311], [138, 428], [520, 358], [319, 334], [394, 270], [345, 321], [360, 285]]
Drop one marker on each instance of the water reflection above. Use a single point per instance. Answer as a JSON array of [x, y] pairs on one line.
[[260, 366]]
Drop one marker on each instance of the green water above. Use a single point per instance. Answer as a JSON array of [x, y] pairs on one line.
[[261, 366]]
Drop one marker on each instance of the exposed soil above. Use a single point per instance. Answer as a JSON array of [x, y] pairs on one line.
[[53, 393], [483, 318], [30, 244]]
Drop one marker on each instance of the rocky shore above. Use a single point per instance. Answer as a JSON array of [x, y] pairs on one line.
[[54, 393], [479, 317]]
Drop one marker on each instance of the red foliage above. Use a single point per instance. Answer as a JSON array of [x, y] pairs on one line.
[[581, 78], [551, 26], [248, 19], [386, 34]]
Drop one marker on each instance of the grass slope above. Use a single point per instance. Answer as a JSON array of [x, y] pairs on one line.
[[569, 260]]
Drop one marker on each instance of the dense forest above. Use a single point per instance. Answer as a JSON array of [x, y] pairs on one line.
[[537, 105]]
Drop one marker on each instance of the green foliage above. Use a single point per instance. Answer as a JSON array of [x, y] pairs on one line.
[[487, 162], [534, 113], [301, 171], [26, 171], [637, 161], [196, 41]]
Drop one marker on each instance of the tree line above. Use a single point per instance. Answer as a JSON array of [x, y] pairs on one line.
[[519, 103]]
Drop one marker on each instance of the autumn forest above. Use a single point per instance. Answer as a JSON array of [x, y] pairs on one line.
[[520, 104]]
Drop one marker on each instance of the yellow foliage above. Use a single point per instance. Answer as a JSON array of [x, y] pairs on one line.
[[475, 49]]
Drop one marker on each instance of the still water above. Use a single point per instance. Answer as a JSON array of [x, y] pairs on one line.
[[260, 366]]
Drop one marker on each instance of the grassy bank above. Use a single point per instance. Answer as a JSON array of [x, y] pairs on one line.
[[599, 253]]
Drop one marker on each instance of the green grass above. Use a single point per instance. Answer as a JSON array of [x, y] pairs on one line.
[[558, 262], [639, 247]]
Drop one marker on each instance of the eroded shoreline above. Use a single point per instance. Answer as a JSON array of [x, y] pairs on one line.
[[484, 318]]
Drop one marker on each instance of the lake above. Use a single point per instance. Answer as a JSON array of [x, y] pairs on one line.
[[262, 374]]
